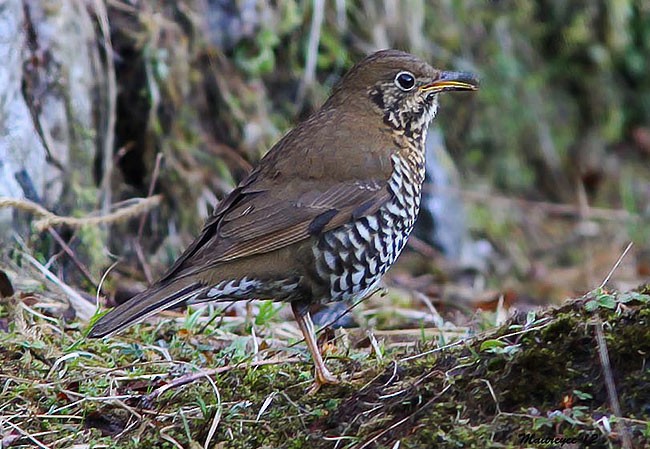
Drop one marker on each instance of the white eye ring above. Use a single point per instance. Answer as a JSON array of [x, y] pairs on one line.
[[405, 80]]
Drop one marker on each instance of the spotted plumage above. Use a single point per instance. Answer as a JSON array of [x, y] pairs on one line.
[[326, 212]]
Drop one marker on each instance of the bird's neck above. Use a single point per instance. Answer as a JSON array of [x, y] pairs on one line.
[[410, 149], [409, 133]]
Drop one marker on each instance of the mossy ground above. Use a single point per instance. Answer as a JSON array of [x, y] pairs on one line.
[[538, 376]]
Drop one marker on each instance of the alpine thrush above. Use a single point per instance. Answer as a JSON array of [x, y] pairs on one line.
[[327, 210]]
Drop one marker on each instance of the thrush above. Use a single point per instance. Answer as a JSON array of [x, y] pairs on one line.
[[325, 213]]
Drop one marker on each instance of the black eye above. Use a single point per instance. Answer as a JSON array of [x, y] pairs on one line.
[[405, 80]]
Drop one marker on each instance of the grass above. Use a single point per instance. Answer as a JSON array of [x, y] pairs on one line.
[[538, 376]]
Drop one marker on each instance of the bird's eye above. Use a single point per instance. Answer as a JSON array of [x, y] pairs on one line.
[[405, 80]]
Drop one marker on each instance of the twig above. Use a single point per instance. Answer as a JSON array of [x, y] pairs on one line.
[[111, 96], [225, 151], [101, 282], [82, 307], [423, 248], [265, 405], [82, 268], [431, 351], [348, 309], [339, 316], [169, 438], [24, 205], [312, 51], [612, 395], [44, 416], [27, 435], [217, 415], [38, 314], [493, 394], [217, 314], [436, 318], [395, 425], [569, 210], [141, 205], [583, 210], [143, 263], [616, 265], [138, 241], [548, 322]]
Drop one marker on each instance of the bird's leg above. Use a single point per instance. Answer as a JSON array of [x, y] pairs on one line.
[[322, 374]]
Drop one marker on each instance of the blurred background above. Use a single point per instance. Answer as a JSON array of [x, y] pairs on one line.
[[538, 182]]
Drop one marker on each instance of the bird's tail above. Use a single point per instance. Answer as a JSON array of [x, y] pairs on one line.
[[155, 299]]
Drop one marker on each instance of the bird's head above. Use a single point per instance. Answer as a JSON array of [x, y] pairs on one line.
[[399, 86]]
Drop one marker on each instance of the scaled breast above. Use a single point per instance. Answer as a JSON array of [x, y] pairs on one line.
[[351, 259]]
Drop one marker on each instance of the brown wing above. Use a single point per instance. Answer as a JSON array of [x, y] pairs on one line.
[[268, 221], [254, 221], [292, 194]]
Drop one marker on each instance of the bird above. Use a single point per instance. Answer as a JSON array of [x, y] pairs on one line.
[[327, 210]]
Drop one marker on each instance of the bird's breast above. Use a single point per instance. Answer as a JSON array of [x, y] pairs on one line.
[[350, 260]]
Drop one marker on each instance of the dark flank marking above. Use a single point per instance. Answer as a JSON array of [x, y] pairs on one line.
[[383, 221], [318, 223], [364, 280], [328, 241], [349, 278], [357, 235], [339, 269], [354, 258], [337, 285]]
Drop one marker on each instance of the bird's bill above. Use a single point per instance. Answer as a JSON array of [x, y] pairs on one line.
[[452, 81]]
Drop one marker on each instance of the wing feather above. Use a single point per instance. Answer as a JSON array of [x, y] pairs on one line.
[[281, 223], [266, 221]]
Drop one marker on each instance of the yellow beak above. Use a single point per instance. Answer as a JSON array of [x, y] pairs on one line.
[[452, 81]]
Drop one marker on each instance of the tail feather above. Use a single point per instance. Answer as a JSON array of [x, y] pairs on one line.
[[151, 301]]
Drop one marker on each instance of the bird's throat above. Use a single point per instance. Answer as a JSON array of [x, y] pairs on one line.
[[410, 150]]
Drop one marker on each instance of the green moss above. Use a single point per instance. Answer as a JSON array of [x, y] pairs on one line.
[[470, 395]]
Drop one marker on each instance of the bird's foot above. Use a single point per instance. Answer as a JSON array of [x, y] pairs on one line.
[[322, 377]]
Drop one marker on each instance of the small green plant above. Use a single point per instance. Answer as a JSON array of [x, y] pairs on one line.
[[581, 395], [499, 347], [601, 299], [268, 310]]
